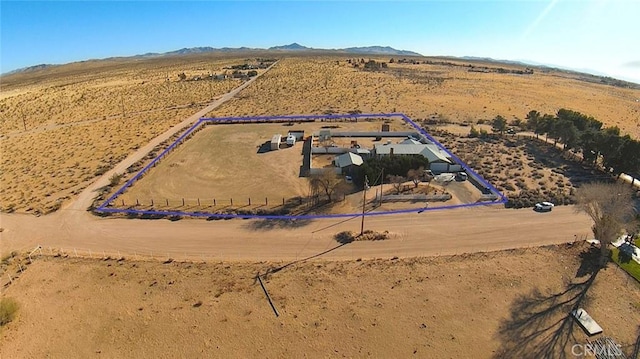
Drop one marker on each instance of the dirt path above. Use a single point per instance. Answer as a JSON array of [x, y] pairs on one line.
[[425, 234]]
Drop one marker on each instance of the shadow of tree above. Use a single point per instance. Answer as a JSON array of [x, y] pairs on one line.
[[540, 325], [269, 224], [589, 262], [635, 353]]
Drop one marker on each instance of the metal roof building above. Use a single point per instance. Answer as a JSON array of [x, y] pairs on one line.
[[348, 159], [430, 151]]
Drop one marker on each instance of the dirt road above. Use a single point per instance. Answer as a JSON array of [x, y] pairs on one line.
[[428, 233]]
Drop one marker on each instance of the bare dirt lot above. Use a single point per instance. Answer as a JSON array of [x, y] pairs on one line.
[[233, 162], [482, 306]]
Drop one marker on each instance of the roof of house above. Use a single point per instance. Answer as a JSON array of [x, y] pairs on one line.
[[430, 151], [276, 138], [410, 141], [348, 159]]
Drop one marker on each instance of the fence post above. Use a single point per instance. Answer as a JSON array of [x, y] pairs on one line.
[[137, 203], [282, 201], [123, 203], [198, 202], [167, 201], [214, 202], [249, 200], [183, 202], [232, 202], [151, 202], [266, 201]]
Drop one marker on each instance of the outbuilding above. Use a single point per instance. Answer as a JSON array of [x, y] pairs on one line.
[[298, 134], [275, 142], [347, 161]]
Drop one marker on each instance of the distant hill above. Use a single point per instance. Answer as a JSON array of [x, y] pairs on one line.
[[291, 47], [29, 69], [380, 50], [368, 50]]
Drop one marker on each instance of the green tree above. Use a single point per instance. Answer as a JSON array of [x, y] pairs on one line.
[[499, 124], [567, 133], [473, 132], [533, 122]]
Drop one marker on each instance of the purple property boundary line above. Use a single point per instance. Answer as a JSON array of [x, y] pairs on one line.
[[103, 208]]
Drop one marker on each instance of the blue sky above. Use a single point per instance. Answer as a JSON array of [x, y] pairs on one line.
[[600, 35]]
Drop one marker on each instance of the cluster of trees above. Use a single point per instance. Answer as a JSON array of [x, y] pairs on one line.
[[585, 134], [374, 66], [396, 165]]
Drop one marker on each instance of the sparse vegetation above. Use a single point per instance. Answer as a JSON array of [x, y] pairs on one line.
[[8, 310]]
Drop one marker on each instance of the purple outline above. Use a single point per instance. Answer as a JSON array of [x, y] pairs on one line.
[[103, 207]]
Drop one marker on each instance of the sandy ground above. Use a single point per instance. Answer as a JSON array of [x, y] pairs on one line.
[[316, 85], [360, 314], [230, 162], [480, 306]]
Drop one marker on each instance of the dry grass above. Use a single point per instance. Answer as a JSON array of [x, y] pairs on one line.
[[73, 113], [317, 85], [76, 130]]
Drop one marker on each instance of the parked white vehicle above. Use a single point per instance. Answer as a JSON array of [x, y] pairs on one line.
[[291, 140], [544, 206]]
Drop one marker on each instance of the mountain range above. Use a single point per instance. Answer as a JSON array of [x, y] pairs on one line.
[[367, 50]]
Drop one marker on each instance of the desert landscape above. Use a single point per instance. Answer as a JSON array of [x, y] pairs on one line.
[[484, 282], [494, 305]]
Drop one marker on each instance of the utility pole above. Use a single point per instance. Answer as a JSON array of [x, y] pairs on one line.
[[364, 202]]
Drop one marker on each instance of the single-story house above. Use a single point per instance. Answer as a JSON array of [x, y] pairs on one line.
[[347, 162], [439, 160]]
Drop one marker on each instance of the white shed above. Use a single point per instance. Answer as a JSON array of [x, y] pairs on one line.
[[275, 142]]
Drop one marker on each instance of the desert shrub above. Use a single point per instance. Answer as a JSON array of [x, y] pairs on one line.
[[115, 179], [8, 309]]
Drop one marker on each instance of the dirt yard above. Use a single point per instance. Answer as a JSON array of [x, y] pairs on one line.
[[483, 305], [225, 162]]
